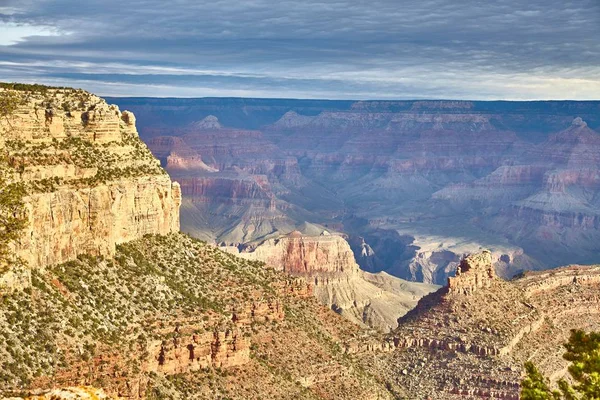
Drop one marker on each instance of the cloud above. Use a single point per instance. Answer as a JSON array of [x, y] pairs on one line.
[[314, 48], [13, 33]]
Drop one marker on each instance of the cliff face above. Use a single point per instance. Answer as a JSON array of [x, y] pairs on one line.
[[91, 183], [300, 254], [326, 260]]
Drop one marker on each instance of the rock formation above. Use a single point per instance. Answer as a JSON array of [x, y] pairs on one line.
[[209, 122], [91, 183], [326, 260], [472, 337], [518, 178], [305, 255], [70, 393], [473, 273]]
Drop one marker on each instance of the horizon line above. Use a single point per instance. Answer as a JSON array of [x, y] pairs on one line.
[[341, 100]]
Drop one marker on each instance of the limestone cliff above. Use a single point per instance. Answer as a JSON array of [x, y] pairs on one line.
[[90, 182]]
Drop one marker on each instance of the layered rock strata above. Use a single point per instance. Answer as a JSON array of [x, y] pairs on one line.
[[519, 178], [90, 182], [327, 261], [471, 338]]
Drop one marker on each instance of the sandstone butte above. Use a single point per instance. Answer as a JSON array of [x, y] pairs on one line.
[[110, 301]]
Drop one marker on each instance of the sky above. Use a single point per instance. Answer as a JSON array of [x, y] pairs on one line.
[[338, 49]]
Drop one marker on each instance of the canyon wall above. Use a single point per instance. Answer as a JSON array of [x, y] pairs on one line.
[[449, 177], [327, 261], [90, 182]]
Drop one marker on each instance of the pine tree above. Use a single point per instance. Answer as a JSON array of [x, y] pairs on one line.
[[583, 351]]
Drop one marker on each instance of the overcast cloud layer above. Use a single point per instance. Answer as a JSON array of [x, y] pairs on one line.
[[468, 49]]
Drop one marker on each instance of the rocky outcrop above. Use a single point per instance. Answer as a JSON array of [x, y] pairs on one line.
[[209, 122], [473, 273], [219, 349], [69, 393], [292, 120], [169, 316], [90, 182], [472, 337], [327, 261], [196, 347], [299, 254]]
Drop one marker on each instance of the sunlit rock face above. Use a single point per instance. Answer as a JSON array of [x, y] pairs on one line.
[[327, 261], [422, 182], [90, 182]]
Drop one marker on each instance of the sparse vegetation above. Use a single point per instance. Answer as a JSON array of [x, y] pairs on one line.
[[12, 219], [583, 352], [94, 308], [9, 102], [123, 156], [27, 87]]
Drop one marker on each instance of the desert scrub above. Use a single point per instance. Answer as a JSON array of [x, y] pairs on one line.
[[108, 162], [12, 212], [78, 311]]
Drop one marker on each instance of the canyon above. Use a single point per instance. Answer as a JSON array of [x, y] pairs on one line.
[[413, 185], [292, 292], [471, 338], [327, 261], [102, 297]]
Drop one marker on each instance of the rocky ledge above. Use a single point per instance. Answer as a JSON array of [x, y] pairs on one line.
[[90, 182], [471, 338]]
